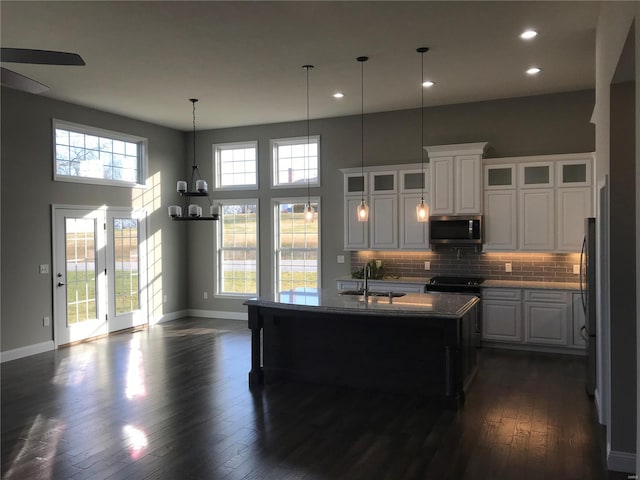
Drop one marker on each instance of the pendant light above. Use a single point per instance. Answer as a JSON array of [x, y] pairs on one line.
[[363, 208], [422, 209], [308, 211], [196, 188]]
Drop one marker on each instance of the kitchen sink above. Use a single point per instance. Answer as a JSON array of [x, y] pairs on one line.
[[373, 294]]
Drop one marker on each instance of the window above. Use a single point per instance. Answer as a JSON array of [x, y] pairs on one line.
[[237, 243], [235, 165], [297, 246], [91, 155], [292, 165]]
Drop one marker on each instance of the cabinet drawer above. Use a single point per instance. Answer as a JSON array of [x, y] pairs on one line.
[[545, 296], [502, 294]]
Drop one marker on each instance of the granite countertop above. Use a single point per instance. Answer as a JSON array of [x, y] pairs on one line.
[[329, 300], [574, 286]]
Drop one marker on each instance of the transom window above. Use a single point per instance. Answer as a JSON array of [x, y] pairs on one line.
[[296, 163], [237, 248], [92, 155], [235, 165], [297, 246]]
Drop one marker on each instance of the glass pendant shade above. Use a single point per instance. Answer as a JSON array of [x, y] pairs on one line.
[[308, 213], [363, 211], [422, 211]]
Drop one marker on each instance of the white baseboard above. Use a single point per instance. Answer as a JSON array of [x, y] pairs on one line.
[[219, 314], [621, 461], [27, 351]]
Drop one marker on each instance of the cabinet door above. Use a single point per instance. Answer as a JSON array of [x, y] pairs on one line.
[[383, 182], [574, 173], [535, 175], [545, 323], [500, 220], [414, 180], [356, 234], [441, 183], [536, 223], [383, 215], [501, 321], [574, 205], [577, 321], [499, 177], [413, 234], [468, 185], [355, 184]]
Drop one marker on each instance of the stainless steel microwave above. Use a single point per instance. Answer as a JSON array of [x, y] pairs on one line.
[[456, 230]]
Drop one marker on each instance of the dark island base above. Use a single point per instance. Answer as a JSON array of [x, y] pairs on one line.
[[422, 355]]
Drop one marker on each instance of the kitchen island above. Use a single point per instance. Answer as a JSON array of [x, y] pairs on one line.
[[414, 343]]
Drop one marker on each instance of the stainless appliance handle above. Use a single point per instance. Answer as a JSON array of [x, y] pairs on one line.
[[582, 278], [470, 229], [583, 333]]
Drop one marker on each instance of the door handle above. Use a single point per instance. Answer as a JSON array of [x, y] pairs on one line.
[[60, 284]]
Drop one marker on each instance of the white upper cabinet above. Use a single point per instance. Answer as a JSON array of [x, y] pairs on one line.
[[456, 178], [536, 226], [572, 207], [535, 175], [392, 193], [500, 177], [574, 173], [500, 220]]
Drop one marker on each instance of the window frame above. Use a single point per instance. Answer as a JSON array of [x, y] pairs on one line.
[[216, 147], [142, 154], [275, 204], [218, 249], [274, 143]]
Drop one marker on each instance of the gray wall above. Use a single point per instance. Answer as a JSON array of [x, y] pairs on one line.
[[548, 124], [28, 192]]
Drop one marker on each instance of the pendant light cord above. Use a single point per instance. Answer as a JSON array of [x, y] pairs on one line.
[[362, 60], [307, 68], [422, 50]]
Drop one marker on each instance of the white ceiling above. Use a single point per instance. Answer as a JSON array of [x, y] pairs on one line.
[[243, 59]]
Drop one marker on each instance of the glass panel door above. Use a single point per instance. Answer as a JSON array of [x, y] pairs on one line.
[[124, 257], [79, 276]]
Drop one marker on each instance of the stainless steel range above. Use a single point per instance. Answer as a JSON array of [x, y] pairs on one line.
[[461, 285]]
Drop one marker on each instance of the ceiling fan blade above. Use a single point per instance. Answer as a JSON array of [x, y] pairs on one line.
[[12, 79], [42, 57]]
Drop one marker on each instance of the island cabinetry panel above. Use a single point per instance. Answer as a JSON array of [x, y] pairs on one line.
[[545, 317], [502, 320], [422, 353]]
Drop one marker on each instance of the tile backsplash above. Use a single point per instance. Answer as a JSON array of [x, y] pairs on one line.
[[549, 267]]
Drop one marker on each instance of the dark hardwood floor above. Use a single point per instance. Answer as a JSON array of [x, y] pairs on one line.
[[172, 402]]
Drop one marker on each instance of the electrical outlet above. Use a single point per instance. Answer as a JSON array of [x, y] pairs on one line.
[[576, 269], [427, 265], [507, 267], [206, 295], [164, 299], [45, 321], [340, 258], [44, 269]]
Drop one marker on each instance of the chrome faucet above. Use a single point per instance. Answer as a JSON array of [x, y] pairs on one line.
[[367, 274]]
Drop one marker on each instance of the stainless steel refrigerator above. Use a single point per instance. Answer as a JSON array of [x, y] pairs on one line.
[[588, 294]]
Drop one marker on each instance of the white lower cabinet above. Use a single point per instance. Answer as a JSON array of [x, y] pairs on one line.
[[501, 316], [533, 319]]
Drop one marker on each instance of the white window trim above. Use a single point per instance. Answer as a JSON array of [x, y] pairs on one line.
[[275, 202], [216, 259], [215, 147], [143, 160], [273, 144]]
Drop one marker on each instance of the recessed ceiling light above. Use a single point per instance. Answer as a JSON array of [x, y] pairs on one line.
[[428, 84], [338, 95], [528, 34], [533, 71]]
